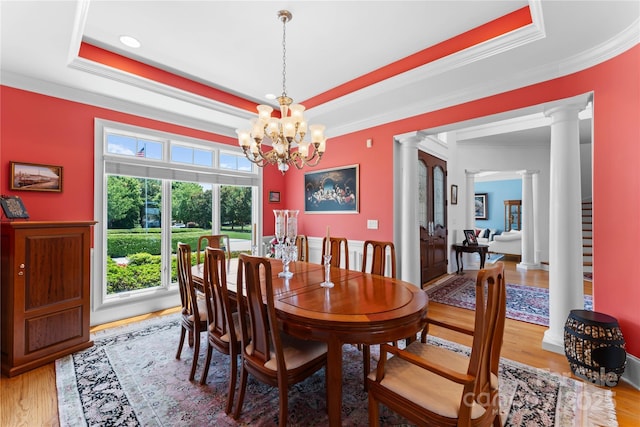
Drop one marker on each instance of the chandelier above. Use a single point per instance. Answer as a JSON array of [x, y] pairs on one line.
[[285, 131]]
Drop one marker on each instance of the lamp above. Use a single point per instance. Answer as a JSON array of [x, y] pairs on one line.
[[285, 131]]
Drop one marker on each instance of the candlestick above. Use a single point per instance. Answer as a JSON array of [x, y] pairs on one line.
[[327, 243]]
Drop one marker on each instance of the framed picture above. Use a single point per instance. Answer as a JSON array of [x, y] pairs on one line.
[[470, 237], [13, 207], [332, 190], [454, 194], [274, 197], [481, 206], [35, 177]]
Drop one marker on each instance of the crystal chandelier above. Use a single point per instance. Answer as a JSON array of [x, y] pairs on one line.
[[285, 131]]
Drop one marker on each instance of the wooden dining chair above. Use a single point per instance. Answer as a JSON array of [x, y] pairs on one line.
[[432, 385], [270, 355], [193, 319], [303, 247], [374, 261], [220, 241], [337, 247], [377, 263]]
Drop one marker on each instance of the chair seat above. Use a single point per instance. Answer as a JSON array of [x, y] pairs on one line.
[[202, 310], [296, 352], [426, 389], [236, 324]]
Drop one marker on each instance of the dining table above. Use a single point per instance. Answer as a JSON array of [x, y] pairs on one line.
[[360, 308]]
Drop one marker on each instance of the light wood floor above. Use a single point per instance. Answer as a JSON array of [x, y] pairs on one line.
[[30, 399]]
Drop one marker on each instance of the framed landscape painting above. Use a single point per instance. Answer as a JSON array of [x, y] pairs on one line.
[[332, 190], [35, 177]]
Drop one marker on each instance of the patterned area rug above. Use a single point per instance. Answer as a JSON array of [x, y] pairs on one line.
[[130, 377], [524, 303]]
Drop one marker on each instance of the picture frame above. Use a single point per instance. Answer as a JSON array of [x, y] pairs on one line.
[[481, 206], [13, 207], [334, 190], [274, 197], [454, 194], [470, 237], [35, 177]]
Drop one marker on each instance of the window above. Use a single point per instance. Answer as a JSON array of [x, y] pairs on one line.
[[153, 190]]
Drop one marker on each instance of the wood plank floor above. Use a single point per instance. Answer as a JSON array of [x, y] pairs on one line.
[[30, 399]]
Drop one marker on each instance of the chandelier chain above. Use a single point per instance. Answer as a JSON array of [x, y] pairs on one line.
[[284, 57]]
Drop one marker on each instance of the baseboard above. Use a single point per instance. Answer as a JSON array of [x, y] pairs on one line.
[[632, 371]]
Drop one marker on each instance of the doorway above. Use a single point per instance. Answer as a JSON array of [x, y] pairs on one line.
[[432, 216]]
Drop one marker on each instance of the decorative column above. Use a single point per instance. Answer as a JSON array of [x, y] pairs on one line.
[[409, 254], [470, 199], [527, 261], [566, 289]]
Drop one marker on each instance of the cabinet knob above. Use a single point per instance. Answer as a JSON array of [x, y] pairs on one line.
[[20, 273], [21, 265]]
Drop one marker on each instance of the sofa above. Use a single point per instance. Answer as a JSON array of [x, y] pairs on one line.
[[485, 235], [509, 242]]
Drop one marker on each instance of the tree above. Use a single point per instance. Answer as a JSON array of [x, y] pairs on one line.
[[191, 203], [235, 205], [124, 202]]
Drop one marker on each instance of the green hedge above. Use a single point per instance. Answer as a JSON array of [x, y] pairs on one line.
[[122, 243]]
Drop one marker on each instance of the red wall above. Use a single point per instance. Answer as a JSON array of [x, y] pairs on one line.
[[41, 129], [616, 182]]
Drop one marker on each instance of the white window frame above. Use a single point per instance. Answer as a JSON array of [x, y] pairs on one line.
[[126, 304]]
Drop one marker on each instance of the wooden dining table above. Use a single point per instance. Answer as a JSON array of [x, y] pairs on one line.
[[360, 308]]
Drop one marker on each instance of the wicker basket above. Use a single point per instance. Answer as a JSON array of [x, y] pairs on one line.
[[595, 347]]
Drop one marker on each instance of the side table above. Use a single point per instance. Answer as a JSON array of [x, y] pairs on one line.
[[595, 347], [482, 250]]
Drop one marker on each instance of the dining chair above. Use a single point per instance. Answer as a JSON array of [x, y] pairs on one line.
[[303, 247], [378, 259], [376, 263], [220, 241], [193, 319], [338, 246], [270, 355], [223, 324], [432, 385]]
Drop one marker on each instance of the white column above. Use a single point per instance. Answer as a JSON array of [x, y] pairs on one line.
[[409, 254], [470, 199], [565, 241], [527, 261], [536, 219]]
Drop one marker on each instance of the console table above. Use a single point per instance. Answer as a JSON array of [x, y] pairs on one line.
[[482, 250]]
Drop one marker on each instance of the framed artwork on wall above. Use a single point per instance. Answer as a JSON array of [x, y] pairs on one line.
[[454, 194], [35, 177], [481, 206], [334, 190], [274, 197]]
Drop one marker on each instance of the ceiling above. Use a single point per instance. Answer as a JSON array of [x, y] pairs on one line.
[[236, 46]]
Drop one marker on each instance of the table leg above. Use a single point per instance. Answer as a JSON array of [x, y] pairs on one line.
[[458, 260], [334, 381], [483, 256]]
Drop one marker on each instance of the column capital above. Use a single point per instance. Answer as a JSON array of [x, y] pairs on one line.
[[411, 139], [528, 172]]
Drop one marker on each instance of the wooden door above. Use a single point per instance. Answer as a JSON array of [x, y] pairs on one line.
[[432, 216]]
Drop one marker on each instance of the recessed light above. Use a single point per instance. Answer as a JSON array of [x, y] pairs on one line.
[[130, 41], [270, 96]]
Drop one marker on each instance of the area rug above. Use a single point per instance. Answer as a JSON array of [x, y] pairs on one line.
[[524, 303], [130, 377]]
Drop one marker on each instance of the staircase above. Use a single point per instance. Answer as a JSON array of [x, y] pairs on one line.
[[587, 237]]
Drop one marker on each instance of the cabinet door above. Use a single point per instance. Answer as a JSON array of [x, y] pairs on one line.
[[51, 313]]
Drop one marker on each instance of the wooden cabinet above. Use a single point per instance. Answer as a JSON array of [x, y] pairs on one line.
[[45, 292], [512, 215]]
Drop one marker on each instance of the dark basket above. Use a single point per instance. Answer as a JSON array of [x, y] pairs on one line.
[[595, 347]]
